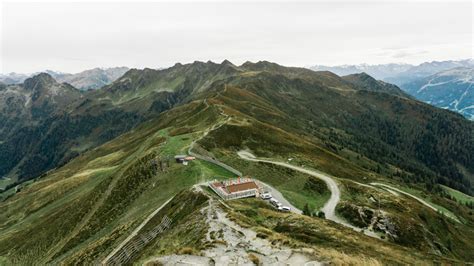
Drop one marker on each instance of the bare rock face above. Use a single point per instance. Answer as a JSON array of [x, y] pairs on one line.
[[384, 224], [94, 78], [86, 80], [368, 218]]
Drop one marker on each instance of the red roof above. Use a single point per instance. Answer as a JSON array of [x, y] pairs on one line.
[[241, 187], [218, 184]]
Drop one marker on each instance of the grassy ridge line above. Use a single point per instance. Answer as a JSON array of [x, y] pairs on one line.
[[97, 205], [226, 166], [34, 208], [178, 143]]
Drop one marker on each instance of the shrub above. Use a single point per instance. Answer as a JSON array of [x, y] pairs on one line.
[[306, 210], [186, 251], [254, 259]]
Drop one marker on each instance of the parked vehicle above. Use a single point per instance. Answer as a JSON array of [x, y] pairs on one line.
[[266, 196], [284, 209], [274, 202]]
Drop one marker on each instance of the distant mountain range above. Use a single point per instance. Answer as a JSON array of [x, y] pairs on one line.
[[426, 69], [377, 71], [452, 93], [450, 89], [86, 80], [396, 73]]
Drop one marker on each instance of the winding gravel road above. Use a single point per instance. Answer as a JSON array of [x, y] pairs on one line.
[[330, 206]]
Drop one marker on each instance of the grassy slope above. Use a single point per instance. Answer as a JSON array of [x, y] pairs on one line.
[[323, 239], [329, 241], [115, 181], [459, 196], [188, 230], [429, 198], [426, 230], [418, 227], [106, 192], [385, 128], [298, 188], [4, 182], [184, 207], [52, 207]]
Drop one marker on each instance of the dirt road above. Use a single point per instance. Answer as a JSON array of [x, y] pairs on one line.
[[330, 206]]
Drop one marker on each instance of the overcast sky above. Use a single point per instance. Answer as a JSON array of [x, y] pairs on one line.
[[71, 37]]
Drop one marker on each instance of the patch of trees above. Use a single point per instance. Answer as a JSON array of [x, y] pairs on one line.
[[315, 185], [432, 151], [36, 149]]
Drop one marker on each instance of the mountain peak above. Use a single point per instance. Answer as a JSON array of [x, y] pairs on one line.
[[261, 65], [363, 76], [41, 79], [227, 63], [44, 76], [366, 82]]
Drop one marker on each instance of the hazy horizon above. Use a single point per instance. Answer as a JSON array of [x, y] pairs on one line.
[[164, 67], [72, 37]]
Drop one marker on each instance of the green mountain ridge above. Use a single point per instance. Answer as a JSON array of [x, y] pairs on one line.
[[82, 209], [367, 82], [336, 103], [80, 212]]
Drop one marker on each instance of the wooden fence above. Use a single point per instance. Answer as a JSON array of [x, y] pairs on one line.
[[137, 243]]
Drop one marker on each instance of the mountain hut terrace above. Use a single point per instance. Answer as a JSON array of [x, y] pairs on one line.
[[235, 188]]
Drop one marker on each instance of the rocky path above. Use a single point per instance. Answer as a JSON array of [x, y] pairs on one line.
[[235, 245]]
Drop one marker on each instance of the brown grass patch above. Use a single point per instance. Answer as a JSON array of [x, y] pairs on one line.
[[254, 259], [186, 251]]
